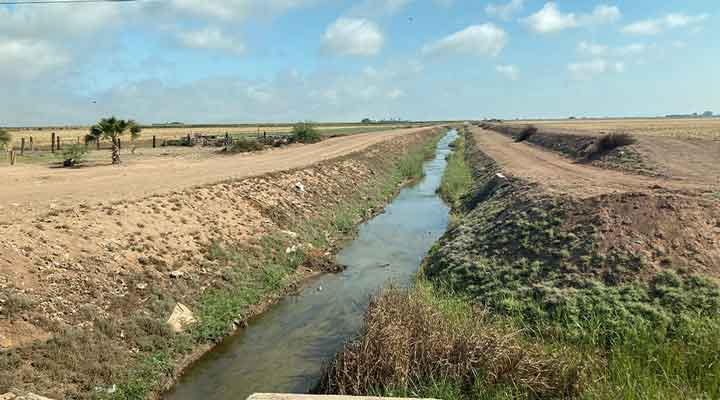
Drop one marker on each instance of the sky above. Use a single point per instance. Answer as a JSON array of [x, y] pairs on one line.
[[235, 61]]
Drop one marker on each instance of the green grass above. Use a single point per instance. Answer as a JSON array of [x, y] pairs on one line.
[[457, 178]]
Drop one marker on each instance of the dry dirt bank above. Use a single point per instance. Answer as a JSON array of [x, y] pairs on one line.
[[681, 158], [566, 222], [32, 190], [85, 291]]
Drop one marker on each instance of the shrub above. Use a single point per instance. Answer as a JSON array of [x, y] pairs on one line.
[[5, 138], [244, 145], [526, 133], [305, 132], [73, 155], [609, 142]]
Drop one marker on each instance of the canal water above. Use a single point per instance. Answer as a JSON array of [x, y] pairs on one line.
[[284, 350]]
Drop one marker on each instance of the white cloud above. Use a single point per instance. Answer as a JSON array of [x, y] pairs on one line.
[[231, 9], [504, 11], [353, 36], [485, 40], [602, 14], [211, 39], [658, 25], [551, 19], [592, 49], [510, 71], [25, 59], [588, 69]]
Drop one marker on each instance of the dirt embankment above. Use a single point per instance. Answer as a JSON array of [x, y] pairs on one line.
[[85, 292], [678, 159], [536, 224]]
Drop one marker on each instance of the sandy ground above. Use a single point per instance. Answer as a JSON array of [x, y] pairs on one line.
[[32, 190], [560, 174]]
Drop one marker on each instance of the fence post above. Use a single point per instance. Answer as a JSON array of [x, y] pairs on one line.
[[154, 142], [22, 146], [58, 143], [32, 145], [78, 141], [119, 144], [52, 146], [12, 156]]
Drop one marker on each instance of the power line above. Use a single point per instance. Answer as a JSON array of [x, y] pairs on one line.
[[20, 2]]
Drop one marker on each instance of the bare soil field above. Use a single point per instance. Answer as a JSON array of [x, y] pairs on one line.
[[697, 128], [37, 189]]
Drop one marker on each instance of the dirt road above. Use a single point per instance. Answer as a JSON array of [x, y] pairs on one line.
[[559, 174], [33, 190]]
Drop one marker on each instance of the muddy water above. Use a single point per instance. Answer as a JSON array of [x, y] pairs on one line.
[[284, 349]]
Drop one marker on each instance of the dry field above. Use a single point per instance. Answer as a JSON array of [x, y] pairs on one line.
[[41, 136], [696, 128]]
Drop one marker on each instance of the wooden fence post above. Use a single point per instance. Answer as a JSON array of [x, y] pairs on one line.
[[119, 144], [22, 146], [154, 142], [52, 146], [58, 143], [12, 156], [32, 145]]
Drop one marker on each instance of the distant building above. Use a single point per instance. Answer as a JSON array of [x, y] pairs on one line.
[[707, 114]]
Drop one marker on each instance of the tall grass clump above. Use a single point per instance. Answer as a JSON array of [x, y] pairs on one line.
[[244, 145], [609, 142], [525, 133], [305, 132], [424, 341], [457, 178], [410, 167]]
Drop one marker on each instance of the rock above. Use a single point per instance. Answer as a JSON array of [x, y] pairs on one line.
[[141, 286], [292, 249], [7, 396], [180, 318], [501, 176], [300, 187], [290, 233]]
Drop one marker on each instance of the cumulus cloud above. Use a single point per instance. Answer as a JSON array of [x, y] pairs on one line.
[[504, 11], [658, 25], [550, 19], [482, 40], [589, 69], [353, 36], [509, 71], [210, 39]]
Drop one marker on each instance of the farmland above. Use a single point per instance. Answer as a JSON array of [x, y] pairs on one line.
[[683, 128]]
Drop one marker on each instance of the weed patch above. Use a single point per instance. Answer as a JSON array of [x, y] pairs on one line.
[[457, 178], [525, 133], [609, 142]]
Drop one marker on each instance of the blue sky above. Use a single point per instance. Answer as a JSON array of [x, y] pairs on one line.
[[332, 60]]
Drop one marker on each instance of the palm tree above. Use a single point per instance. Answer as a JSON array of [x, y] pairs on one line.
[[112, 128]]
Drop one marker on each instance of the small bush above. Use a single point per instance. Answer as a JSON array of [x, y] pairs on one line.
[[609, 142], [526, 133], [305, 132], [5, 138], [244, 145], [73, 155]]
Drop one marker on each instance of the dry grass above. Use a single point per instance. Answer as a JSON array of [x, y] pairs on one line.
[[415, 336], [609, 142], [699, 128]]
